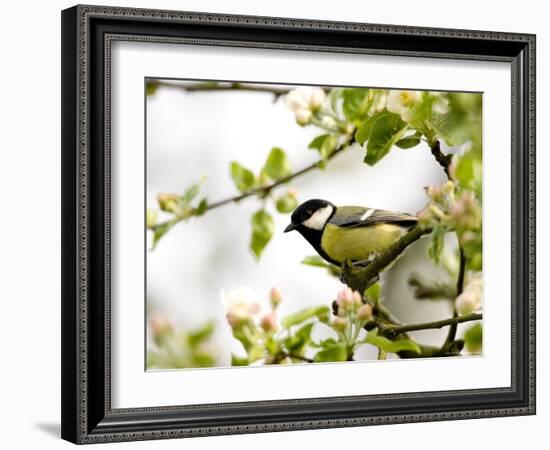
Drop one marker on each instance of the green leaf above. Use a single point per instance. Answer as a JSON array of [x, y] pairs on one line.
[[160, 231], [286, 203], [277, 166], [202, 207], [317, 142], [329, 146], [408, 142], [473, 338], [363, 132], [436, 246], [468, 170], [242, 177], [296, 342], [460, 123], [332, 353], [239, 361], [391, 346], [325, 144], [151, 217], [373, 293], [202, 359], [245, 336], [356, 103], [190, 193], [324, 343], [334, 97], [386, 131], [315, 261], [305, 314], [420, 115], [262, 231], [201, 334], [272, 346]]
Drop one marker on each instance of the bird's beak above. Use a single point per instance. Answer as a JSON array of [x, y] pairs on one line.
[[291, 226]]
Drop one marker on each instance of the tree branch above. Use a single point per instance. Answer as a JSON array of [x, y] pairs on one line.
[[216, 87], [459, 288], [360, 277], [262, 190], [392, 331], [284, 355], [443, 159]]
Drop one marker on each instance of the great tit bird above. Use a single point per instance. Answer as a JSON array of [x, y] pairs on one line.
[[351, 233]]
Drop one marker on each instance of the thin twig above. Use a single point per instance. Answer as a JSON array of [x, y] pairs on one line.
[[392, 331], [299, 357], [459, 288], [215, 87], [261, 191], [443, 159]]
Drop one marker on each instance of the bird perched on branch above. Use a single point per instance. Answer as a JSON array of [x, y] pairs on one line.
[[348, 233]]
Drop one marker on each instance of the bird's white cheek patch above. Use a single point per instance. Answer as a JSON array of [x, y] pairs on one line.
[[319, 218]]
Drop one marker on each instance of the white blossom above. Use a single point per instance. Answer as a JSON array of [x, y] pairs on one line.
[[471, 298], [240, 305], [304, 101], [328, 122], [303, 116], [379, 103], [441, 103], [401, 102]]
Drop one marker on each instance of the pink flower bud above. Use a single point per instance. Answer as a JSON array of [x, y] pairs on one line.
[[167, 202], [356, 299], [339, 323], [448, 187], [160, 324], [424, 217], [458, 209], [344, 300], [364, 313], [434, 191], [269, 322], [275, 297], [234, 320]]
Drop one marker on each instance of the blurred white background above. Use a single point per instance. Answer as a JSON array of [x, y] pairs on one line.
[[196, 134]]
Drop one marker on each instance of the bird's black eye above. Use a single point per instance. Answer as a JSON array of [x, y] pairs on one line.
[[309, 213]]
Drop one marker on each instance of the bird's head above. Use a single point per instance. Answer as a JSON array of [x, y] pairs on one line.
[[313, 215]]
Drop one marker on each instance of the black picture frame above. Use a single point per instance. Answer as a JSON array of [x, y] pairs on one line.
[[87, 415]]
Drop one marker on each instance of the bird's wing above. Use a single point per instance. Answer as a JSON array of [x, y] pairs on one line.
[[356, 216]]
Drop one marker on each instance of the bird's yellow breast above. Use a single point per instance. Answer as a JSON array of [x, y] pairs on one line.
[[359, 243]]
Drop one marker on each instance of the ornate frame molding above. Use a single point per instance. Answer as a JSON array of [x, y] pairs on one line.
[[88, 32]]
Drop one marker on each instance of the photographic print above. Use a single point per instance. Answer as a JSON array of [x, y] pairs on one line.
[[291, 224]]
